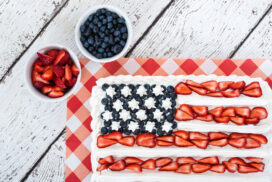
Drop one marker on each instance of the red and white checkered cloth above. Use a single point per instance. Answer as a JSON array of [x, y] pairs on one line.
[[78, 164]]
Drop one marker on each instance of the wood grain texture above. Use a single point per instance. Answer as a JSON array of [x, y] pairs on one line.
[[20, 22], [201, 28], [28, 126]]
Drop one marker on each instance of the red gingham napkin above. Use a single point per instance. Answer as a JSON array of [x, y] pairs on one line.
[[77, 163]]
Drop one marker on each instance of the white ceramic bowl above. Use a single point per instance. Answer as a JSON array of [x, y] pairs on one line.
[[84, 17], [28, 74]]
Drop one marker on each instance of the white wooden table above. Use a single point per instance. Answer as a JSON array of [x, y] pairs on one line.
[[32, 133]]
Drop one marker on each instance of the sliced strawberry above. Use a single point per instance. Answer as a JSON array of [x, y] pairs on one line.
[[238, 120], [36, 77], [163, 161], [251, 143], [65, 59], [255, 159], [59, 82], [45, 59], [118, 166], [194, 84], [237, 85], [38, 68], [165, 140], [209, 160], [238, 143], [252, 121], [256, 92], [60, 55], [216, 111], [238, 135], [55, 94], [242, 111], [220, 168], [134, 167], [102, 167], [58, 70], [103, 142], [186, 160], [198, 136], [217, 135], [146, 140], [181, 88], [210, 85], [106, 160], [163, 143], [229, 111], [219, 142], [47, 89], [200, 168], [182, 116], [230, 166], [114, 136], [259, 166], [184, 169], [224, 85], [70, 83], [38, 85], [237, 160], [149, 164], [208, 117], [186, 108], [183, 134], [247, 169], [222, 119], [252, 86], [182, 142], [258, 112], [200, 143], [75, 70], [215, 94], [68, 73], [128, 141], [53, 53], [48, 74], [258, 137], [132, 160], [38, 62], [200, 110], [200, 91], [233, 93], [173, 166]]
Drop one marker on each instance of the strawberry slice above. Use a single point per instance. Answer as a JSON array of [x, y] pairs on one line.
[[128, 141], [259, 166], [182, 116], [146, 140], [59, 82], [38, 68], [229, 111], [209, 160], [38, 85], [252, 121], [118, 166], [251, 143], [59, 57], [247, 169], [65, 59], [258, 112], [102, 167], [200, 143], [200, 110], [208, 117], [114, 136], [224, 85], [256, 92], [217, 135], [238, 120], [186, 160], [184, 169], [233, 93], [38, 62], [252, 86], [134, 167], [220, 142], [75, 70], [242, 111], [70, 83], [165, 140], [183, 134], [200, 91], [149, 164], [237, 85], [220, 168], [194, 84], [186, 108], [238, 143], [215, 94], [163, 161], [198, 136], [55, 94], [45, 59], [47, 89], [173, 166], [58, 70], [36, 77], [258, 137], [163, 143], [68, 73], [53, 53], [48, 74], [182, 142], [230, 166], [106, 160], [222, 119], [238, 135], [216, 111], [210, 85], [237, 160], [255, 159], [200, 168], [181, 88], [103, 142]]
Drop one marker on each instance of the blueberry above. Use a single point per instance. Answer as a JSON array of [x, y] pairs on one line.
[[159, 132], [98, 42], [114, 21], [95, 20], [99, 56], [107, 123], [122, 43], [86, 44], [170, 118], [87, 32], [150, 116], [102, 35], [174, 125], [121, 20], [169, 132], [104, 101], [127, 132], [95, 29], [104, 130], [104, 45], [117, 48], [103, 10], [136, 132], [99, 24], [90, 18], [100, 50], [109, 54], [117, 39], [123, 29], [109, 18], [124, 36], [170, 88], [110, 25], [91, 40], [82, 28], [104, 21], [112, 30], [122, 124], [82, 39], [147, 86], [106, 39], [116, 33], [105, 55], [114, 15], [101, 17], [94, 52], [107, 31], [107, 49]]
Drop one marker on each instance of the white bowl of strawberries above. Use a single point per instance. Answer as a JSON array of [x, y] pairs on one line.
[[52, 73]]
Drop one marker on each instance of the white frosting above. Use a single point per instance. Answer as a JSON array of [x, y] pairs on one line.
[[126, 91], [115, 125], [133, 126], [157, 114], [149, 126], [107, 115], [150, 103], [118, 105], [166, 103], [124, 115], [141, 90], [167, 126], [110, 91], [158, 90], [133, 104], [141, 115]]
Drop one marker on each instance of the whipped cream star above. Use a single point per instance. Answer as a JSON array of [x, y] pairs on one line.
[[125, 115], [141, 115], [166, 103], [149, 126], [158, 90], [157, 114], [133, 104], [133, 126], [117, 105], [110, 91], [107, 115], [115, 126], [150, 103], [126, 91], [141, 91], [166, 126]]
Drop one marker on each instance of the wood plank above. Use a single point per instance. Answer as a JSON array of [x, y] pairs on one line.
[[202, 29], [28, 126], [20, 22]]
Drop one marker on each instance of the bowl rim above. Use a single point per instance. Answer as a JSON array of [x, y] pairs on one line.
[[29, 67], [84, 17]]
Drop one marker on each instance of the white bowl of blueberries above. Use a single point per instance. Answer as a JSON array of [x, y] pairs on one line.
[[103, 33]]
